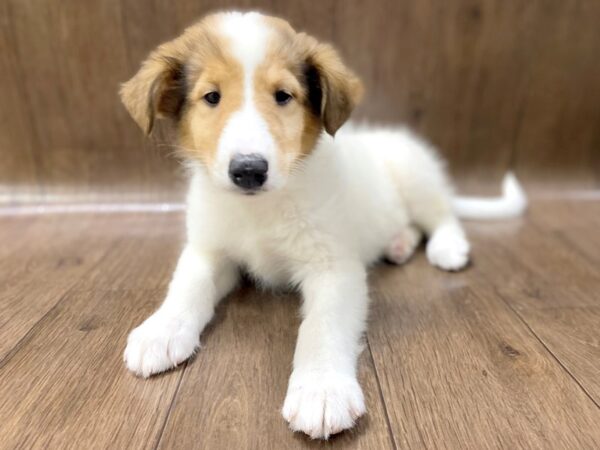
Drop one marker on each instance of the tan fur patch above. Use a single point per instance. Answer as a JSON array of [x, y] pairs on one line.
[[202, 124], [296, 126], [291, 125], [203, 54]]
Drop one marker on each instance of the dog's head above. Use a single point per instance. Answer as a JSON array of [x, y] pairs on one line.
[[250, 96]]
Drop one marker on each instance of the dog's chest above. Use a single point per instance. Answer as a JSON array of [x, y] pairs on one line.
[[272, 246]]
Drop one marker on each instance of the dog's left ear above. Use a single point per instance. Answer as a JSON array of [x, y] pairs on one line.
[[333, 89]]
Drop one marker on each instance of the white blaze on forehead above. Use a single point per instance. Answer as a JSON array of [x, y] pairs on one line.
[[246, 130], [248, 36]]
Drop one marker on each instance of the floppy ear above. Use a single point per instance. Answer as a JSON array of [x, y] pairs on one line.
[[333, 89], [159, 87]]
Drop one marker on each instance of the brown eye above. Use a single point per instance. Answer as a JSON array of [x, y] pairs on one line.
[[282, 97], [212, 98]]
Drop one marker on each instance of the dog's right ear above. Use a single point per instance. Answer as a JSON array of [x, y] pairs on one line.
[[159, 87]]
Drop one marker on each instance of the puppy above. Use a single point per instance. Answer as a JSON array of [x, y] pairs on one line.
[[273, 193]]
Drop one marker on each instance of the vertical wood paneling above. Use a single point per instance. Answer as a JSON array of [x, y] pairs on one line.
[[559, 137], [493, 84], [18, 169]]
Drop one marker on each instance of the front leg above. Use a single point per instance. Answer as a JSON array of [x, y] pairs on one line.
[[324, 396], [172, 334]]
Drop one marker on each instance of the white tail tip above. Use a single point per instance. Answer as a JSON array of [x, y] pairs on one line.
[[512, 203]]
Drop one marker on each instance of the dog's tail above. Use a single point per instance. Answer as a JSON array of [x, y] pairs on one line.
[[511, 203]]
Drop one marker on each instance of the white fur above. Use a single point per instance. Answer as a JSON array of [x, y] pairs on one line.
[[512, 203], [248, 37], [340, 213], [172, 334], [349, 204]]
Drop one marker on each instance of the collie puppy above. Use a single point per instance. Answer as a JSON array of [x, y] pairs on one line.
[[281, 191]]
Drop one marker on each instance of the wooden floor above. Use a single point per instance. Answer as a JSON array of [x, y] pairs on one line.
[[503, 355]]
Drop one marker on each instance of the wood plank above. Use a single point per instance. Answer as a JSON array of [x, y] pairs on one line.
[[549, 273], [86, 143], [232, 393], [44, 257], [554, 145], [41, 260], [459, 369], [18, 144], [66, 385], [14, 234], [154, 242], [571, 334], [442, 68], [502, 355], [576, 223], [551, 281]]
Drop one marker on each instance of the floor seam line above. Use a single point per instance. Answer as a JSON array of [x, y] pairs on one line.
[[380, 391], [21, 342], [70, 289], [170, 409], [541, 341]]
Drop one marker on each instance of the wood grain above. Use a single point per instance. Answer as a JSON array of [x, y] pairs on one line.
[[45, 257], [17, 144], [554, 145], [574, 223], [76, 393], [39, 262], [503, 355], [459, 369], [552, 283], [65, 385], [494, 84]]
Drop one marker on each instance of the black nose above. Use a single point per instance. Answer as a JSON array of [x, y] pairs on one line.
[[248, 171]]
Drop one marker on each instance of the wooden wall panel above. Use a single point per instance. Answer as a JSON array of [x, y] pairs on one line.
[[66, 59], [559, 137], [17, 143], [494, 84], [442, 67]]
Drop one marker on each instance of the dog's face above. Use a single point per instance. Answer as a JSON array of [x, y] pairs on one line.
[[250, 97]]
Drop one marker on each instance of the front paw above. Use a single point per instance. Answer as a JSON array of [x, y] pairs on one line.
[[323, 404], [160, 343]]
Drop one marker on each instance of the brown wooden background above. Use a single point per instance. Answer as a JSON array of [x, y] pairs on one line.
[[493, 83]]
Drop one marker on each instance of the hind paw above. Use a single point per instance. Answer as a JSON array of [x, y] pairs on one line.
[[403, 245]]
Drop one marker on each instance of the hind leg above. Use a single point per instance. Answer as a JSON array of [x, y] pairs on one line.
[[430, 208], [427, 195], [447, 245], [403, 245]]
